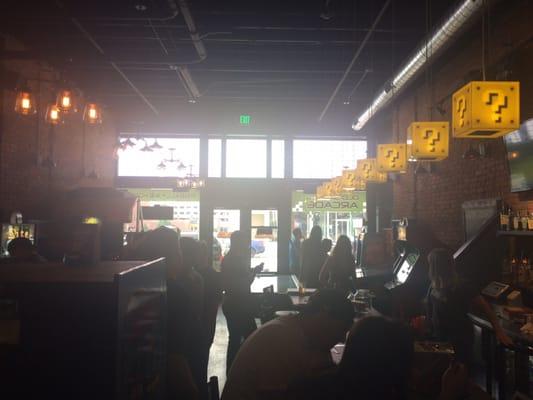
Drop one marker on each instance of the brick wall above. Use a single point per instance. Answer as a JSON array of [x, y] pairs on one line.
[[435, 198], [25, 143]]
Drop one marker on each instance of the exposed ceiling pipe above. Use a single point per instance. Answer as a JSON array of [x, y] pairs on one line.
[[191, 26], [433, 44], [354, 59]]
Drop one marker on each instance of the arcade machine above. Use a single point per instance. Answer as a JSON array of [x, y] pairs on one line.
[[402, 294]]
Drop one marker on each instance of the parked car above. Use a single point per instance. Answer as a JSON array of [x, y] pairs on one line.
[[257, 247]]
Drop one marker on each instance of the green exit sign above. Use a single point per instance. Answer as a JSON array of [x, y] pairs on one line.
[[245, 119]]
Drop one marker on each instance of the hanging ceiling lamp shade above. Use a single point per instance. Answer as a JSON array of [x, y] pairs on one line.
[[66, 101], [25, 102], [53, 114], [156, 145], [92, 114]]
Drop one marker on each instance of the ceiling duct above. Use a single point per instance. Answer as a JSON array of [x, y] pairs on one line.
[[435, 43]]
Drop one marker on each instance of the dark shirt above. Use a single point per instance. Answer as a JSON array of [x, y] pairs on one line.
[[448, 316], [212, 300], [341, 273], [236, 278], [295, 248], [312, 259]]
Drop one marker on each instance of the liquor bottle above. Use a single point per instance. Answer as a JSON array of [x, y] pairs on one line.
[[524, 221], [518, 221], [530, 222], [511, 224], [504, 220], [514, 271]]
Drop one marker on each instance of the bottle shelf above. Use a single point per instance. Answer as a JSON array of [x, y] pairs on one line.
[[515, 233]]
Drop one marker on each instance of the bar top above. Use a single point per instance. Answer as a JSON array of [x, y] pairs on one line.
[[104, 271]]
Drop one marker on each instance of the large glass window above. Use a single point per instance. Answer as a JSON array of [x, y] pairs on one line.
[[246, 158], [164, 157], [214, 158], [278, 159], [323, 159]]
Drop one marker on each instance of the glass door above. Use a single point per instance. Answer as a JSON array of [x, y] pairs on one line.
[[264, 239], [225, 222]]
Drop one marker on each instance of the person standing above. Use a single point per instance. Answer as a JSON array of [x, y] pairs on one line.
[[312, 258], [295, 249], [339, 269], [238, 304]]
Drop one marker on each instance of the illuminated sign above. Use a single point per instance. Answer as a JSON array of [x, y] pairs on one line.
[[486, 110], [245, 119], [392, 158], [428, 140]]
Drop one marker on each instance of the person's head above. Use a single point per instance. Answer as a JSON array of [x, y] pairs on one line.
[[377, 358], [316, 233], [442, 272], [297, 233], [161, 242], [203, 255], [190, 252], [20, 248], [326, 245], [239, 243], [328, 316], [343, 248]]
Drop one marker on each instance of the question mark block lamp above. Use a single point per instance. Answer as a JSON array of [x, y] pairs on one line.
[[428, 140], [486, 110], [367, 171], [392, 157]]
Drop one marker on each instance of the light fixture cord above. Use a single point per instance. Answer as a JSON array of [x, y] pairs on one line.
[[483, 40]]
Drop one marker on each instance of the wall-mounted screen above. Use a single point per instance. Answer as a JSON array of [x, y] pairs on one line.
[[520, 155]]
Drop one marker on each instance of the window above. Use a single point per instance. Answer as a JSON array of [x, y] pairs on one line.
[[278, 159], [246, 158], [176, 157], [323, 159], [214, 158]]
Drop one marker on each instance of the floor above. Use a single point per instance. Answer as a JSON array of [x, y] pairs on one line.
[[217, 356]]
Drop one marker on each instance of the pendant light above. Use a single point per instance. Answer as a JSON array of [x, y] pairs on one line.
[[25, 102], [66, 101], [92, 114], [53, 114]]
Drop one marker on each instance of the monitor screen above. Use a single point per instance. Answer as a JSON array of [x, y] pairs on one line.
[[520, 156], [406, 267]]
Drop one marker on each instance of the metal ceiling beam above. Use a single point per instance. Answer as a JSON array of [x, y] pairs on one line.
[[354, 59]]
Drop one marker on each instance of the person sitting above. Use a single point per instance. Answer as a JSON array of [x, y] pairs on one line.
[[290, 348], [448, 302], [339, 269], [21, 249]]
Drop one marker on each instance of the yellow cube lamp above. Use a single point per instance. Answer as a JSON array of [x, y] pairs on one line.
[[486, 109], [392, 157], [321, 192], [428, 140], [349, 179], [366, 169]]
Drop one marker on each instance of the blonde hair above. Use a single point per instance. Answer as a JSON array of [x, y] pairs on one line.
[[442, 272]]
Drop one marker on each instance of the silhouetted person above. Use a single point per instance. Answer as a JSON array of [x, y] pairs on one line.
[[313, 258], [295, 250], [339, 269], [327, 244], [238, 305], [291, 348], [449, 300], [211, 302], [21, 249]]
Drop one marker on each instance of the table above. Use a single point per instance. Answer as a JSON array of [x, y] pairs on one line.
[[495, 353]]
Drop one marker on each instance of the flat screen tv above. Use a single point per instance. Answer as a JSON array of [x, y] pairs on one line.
[[520, 155]]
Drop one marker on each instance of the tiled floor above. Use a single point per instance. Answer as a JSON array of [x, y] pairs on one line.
[[217, 356]]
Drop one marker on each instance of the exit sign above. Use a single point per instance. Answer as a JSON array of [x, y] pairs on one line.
[[245, 119]]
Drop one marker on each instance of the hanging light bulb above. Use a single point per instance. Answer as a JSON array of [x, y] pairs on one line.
[[53, 114], [156, 145], [92, 114], [25, 103], [65, 101]]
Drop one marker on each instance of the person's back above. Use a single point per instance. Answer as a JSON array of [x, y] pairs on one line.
[[339, 269], [312, 258], [289, 349]]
